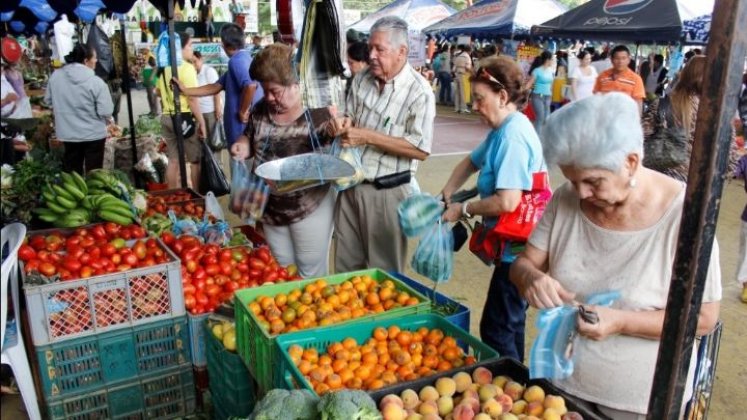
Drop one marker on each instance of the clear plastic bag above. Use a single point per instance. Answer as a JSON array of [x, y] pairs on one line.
[[552, 352], [434, 256], [353, 156], [419, 212], [249, 193]]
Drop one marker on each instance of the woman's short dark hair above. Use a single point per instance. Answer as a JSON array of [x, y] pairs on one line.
[[502, 73], [274, 64], [80, 53], [184, 38], [197, 54], [583, 54], [358, 51], [232, 36]]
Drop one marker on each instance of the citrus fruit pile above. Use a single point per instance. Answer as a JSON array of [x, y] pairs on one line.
[[320, 304], [390, 356]]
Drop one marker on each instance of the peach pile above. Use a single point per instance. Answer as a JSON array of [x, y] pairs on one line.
[[479, 396], [389, 356], [321, 304]]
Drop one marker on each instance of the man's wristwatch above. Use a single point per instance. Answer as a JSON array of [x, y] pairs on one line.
[[465, 213]]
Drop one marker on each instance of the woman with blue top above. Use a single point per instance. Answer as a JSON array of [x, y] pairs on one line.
[[506, 162], [540, 81]]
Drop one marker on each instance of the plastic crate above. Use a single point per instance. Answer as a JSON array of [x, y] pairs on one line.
[[460, 317], [293, 378], [166, 395], [231, 386], [197, 339], [256, 346], [91, 362], [503, 366], [83, 307]]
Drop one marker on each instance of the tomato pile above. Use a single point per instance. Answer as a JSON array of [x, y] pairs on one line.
[[158, 204], [389, 356], [91, 251], [210, 274], [321, 304], [176, 196]]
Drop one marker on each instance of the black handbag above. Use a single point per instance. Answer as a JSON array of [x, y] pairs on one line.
[[212, 177], [666, 147]]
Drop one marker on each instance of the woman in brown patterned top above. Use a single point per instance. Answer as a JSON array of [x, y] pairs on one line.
[[297, 225]]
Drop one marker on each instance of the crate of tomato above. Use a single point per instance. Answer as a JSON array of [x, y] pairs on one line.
[[266, 313], [184, 202], [211, 274], [98, 278]]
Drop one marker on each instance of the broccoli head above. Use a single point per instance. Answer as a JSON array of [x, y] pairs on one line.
[[281, 404], [348, 405]]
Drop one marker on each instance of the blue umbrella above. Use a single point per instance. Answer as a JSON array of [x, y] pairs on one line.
[[417, 13]]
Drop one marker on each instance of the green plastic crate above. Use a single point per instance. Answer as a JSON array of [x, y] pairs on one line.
[[256, 346], [91, 362], [165, 395], [231, 385], [292, 378]]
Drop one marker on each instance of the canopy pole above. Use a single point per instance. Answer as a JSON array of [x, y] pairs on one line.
[[126, 85], [177, 118], [727, 46]]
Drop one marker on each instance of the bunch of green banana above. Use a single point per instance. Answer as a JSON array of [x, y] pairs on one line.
[[102, 181], [73, 202], [64, 202]]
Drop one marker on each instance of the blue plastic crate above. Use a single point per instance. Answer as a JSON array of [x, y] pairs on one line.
[[166, 395], [89, 363], [197, 339], [459, 318]]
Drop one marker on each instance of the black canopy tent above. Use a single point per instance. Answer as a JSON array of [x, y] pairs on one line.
[[625, 20]]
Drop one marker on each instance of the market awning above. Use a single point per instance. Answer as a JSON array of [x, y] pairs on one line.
[[497, 18], [628, 20], [417, 13]]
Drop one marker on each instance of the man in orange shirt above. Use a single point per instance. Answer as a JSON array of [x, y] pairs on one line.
[[620, 78]]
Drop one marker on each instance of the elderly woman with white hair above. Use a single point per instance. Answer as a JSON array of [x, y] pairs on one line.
[[612, 226]]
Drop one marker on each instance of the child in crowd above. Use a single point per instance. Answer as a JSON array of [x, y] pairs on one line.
[[559, 86]]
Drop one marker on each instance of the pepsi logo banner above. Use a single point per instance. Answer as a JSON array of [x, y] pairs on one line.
[[624, 7]]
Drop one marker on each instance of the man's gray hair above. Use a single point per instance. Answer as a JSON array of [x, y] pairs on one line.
[[397, 29], [596, 132]]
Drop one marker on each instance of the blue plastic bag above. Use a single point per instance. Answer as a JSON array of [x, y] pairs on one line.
[[550, 357], [162, 51], [434, 256], [249, 193], [419, 212]]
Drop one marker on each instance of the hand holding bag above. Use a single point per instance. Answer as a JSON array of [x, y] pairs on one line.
[[212, 177]]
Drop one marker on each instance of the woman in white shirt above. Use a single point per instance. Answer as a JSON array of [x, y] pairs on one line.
[[583, 77]]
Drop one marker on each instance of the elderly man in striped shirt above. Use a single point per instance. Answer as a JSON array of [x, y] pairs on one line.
[[388, 115]]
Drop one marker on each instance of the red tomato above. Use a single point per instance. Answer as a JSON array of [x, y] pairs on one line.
[[47, 269], [32, 265], [148, 262], [108, 250], [95, 253], [116, 259], [256, 264], [37, 242], [242, 267], [235, 275], [282, 273], [125, 234], [137, 232], [81, 232], [199, 272], [225, 269], [72, 264], [189, 289], [190, 265], [72, 242], [213, 290], [98, 232], [86, 272], [230, 286], [26, 253], [130, 259], [124, 267], [212, 269], [264, 254], [151, 243], [112, 228], [271, 277], [168, 238], [44, 255], [65, 275], [199, 284], [189, 301], [201, 299], [53, 243], [225, 255], [87, 241], [255, 274], [85, 259]]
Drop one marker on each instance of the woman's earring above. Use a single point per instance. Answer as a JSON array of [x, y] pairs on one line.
[[633, 182]]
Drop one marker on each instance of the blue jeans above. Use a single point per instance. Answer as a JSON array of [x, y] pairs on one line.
[[504, 316], [541, 106], [444, 94]]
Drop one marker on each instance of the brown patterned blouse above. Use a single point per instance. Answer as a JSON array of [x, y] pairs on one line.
[[270, 141]]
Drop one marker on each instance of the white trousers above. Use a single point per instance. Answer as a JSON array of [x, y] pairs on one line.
[[742, 256], [306, 242]]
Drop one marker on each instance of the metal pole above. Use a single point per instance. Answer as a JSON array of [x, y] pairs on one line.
[[726, 53], [177, 118], [126, 85]]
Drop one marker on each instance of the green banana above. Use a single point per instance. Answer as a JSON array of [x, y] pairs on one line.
[[73, 189], [117, 210], [69, 222], [49, 218], [115, 217], [52, 205], [80, 182], [46, 214], [48, 196], [61, 192], [86, 203], [64, 202], [93, 191]]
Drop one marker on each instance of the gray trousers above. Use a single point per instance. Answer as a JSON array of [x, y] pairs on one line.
[[367, 231], [541, 106]]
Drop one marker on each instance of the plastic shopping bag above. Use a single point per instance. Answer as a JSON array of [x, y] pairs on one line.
[[351, 155], [217, 141], [434, 256], [249, 193], [552, 353], [212, 177], [419, 212]]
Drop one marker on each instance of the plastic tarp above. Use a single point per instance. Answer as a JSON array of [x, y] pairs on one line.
[[417, 13], [626, 20], [497, 18], [36, 16]]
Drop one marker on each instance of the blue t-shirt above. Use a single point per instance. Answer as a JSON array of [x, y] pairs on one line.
[[507, 159], [543, 78], [233, 82]]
